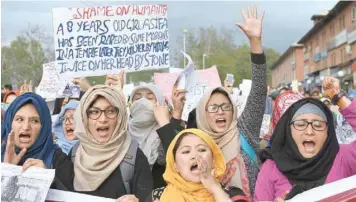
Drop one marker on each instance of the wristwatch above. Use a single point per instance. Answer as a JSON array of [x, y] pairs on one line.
[[337, 97]]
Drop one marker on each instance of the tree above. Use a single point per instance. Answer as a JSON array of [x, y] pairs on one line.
[[222, 51], [24, 57]]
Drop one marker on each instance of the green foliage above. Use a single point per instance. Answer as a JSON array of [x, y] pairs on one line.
[[22, 60], [24, 57], [222, 52]]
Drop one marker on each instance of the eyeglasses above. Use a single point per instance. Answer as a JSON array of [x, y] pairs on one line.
[[302, 125], [69, 119], [94, 113], [215, 108]]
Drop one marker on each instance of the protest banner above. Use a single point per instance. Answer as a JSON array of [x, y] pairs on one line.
[[341, 190], [187, 77], [99, 40], [29, 186], [60, 196], [165, 81], [194, 82], [71, 90], [51, 86]]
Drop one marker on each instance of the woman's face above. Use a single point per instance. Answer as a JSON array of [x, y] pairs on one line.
[[309, 141], [148, 94], [10, 98], [219, 121], [186, 165], [103, 127], [26, 126], [69, 124]]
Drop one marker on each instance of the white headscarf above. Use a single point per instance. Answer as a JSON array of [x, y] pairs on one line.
[[143, 124]]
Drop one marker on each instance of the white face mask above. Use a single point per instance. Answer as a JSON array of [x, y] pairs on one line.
[[142, 114]]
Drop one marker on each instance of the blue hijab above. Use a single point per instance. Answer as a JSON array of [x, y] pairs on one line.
[[65, 144], [43, 148]]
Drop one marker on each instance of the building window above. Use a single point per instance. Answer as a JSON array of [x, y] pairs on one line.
[[353, 14], [323, 39], [342, 55], [342, 23], [332, 30]]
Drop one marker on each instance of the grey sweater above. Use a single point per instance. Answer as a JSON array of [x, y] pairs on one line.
[[249, 123]]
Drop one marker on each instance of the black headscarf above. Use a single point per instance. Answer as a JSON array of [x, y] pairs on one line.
[[302, 173], [192, 119]]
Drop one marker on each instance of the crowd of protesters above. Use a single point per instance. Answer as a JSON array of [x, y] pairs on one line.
[[138, 150]]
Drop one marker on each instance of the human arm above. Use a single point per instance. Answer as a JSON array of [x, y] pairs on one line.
[[251, 118]]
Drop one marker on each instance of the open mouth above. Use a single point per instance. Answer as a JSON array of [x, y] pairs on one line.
[[221, 123], [103, 131], [25, 137], [69, 131], [309, 145], [194, 168]]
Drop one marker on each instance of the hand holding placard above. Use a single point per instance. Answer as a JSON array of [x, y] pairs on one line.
[[115, 80], [82, 82]]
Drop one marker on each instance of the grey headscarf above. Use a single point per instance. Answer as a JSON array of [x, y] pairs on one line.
[[310, 108]]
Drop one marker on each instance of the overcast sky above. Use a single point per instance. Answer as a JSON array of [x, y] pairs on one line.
[[285, 22]]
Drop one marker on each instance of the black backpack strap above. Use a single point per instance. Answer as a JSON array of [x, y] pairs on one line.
[[127, 166], [74, 151]]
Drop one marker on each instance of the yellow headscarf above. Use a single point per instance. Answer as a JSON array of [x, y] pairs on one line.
[[180, 190]]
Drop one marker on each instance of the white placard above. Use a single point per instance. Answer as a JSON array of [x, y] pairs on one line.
[[99, 40], [326, 190], [30, 186], [58, 195], [51, 86]]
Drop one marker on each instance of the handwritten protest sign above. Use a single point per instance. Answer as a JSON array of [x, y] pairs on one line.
[[165, 81], [204, 79], [99, 40], [51, 86]]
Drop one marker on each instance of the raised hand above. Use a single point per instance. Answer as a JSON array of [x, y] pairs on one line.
[[10, 155], [331, 86], [26, 88], [178, 99], [82, 82], [161, 113], [253, 24], [113, 80], [33, 163]]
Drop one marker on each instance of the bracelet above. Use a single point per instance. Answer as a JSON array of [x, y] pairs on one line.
[[335, 99]]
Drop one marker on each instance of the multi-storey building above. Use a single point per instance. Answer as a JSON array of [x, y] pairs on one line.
[[329, 48]]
